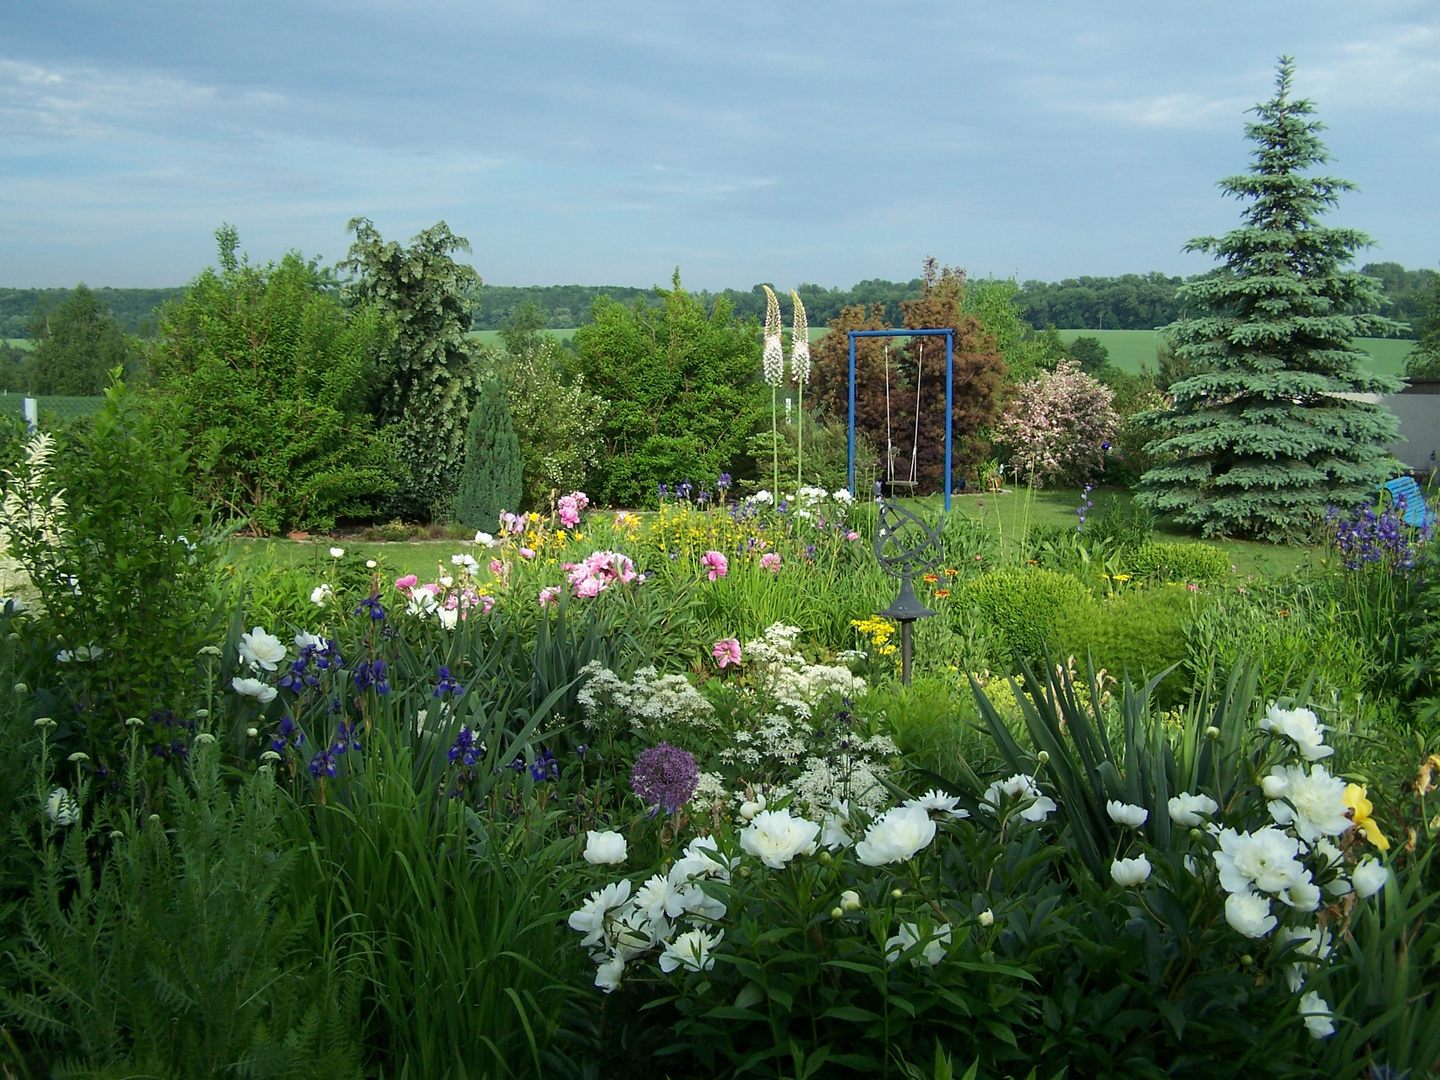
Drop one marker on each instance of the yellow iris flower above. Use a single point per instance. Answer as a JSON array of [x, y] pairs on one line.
[[1361, 809]]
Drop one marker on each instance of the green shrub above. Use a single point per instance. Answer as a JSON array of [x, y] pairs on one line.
[[558, 424], [1138, 633], [492, 480], [1199, 563], [1023, 605]]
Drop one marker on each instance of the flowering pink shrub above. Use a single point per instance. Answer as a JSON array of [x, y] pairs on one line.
[[598, 572], [716, 563], [570, 506], [726, 651], [1060, 426]]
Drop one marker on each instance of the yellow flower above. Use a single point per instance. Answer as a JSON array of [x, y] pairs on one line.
[[1424, 782], [942, 593], [931, 578], [1121, 577], [1360, 810]]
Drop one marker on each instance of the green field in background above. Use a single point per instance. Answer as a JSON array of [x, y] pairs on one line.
[[1131, 348]]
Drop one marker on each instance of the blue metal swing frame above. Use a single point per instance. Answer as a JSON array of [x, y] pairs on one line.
[[949, 336]]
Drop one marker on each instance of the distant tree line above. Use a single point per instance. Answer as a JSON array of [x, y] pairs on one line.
[[134, 310]]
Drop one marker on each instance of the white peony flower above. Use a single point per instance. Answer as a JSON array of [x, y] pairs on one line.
[[1037, 807], [843, 496], [484, 539], [655, 900], [1127, 813], [702, 860], [608, 972], [749, 809], [691, 950], [1316, 1014], [895, 836], [835, 829], [1300, 726], [1189, 810], [320, 594], [774, 837], [1314, 943], [1248, 913], [937, 802], [467, 561], [262, 649], [1315, 803], [909, 936], [590, 919], [61, 808], [1369, 877], [254, 688], [337, 553], [449, 617], [604, 848], [762, 497], [1128, 872], [1265, 859], [1302, 895], [1276, 785]]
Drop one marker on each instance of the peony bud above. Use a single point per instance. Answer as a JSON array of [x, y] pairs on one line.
[[251, 732], [836, 913], [850, 900], [825, 859], [1043, 757], [987, 917], [896, 894], [1212, 733]]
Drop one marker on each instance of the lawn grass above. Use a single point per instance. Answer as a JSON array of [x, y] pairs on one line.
[[1009, 515]]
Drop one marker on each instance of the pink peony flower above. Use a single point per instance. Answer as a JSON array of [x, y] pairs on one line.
[[497, 568], [486, 603], [527, 553], [770, 561], [549, 595], [716, 563], [726, 651], [406, 583], [852, 535]]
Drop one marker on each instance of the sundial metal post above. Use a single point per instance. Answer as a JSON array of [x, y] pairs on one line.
[[905, 546]]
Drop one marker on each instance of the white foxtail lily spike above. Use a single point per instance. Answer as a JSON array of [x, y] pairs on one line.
[[772, 363], [800, 372], [772, 360]]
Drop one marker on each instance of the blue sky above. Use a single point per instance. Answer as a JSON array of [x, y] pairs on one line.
[[609, 142]]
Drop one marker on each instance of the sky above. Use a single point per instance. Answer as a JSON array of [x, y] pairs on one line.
[[609, 142]]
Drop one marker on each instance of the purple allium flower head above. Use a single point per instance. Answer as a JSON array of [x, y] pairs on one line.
[[664, 776]]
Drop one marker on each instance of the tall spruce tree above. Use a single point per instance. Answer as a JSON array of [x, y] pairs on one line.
[[1262, 439], [492, 479]]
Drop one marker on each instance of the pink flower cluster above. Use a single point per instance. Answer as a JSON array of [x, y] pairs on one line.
[[599, 571], [716, 563], [570, 507], [444, 599], [726, 651], [770, 561]]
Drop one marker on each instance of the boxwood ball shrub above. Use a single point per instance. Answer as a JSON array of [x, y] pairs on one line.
[[1200, 563], [1139, 633], [1022, 606]]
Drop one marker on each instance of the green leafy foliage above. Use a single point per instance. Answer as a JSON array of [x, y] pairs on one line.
[[492, 480], [557, 421], [429, 379], [263, 374], [1022, 606], [126, 572], [177, 952], [1198, 563], [76, 347], [1263, 440], [683, 389], [1135, 634], [1424, 361]]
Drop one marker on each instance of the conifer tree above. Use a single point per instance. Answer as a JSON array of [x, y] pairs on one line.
[[491, 481], [1260, 439]]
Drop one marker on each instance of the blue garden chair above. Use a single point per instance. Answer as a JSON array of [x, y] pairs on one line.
[[1404, 491]]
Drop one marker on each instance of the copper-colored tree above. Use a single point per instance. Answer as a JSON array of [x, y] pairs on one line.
[[979, 372]]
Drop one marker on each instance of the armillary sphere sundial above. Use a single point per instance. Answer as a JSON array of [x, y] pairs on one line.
[[905, 546]]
